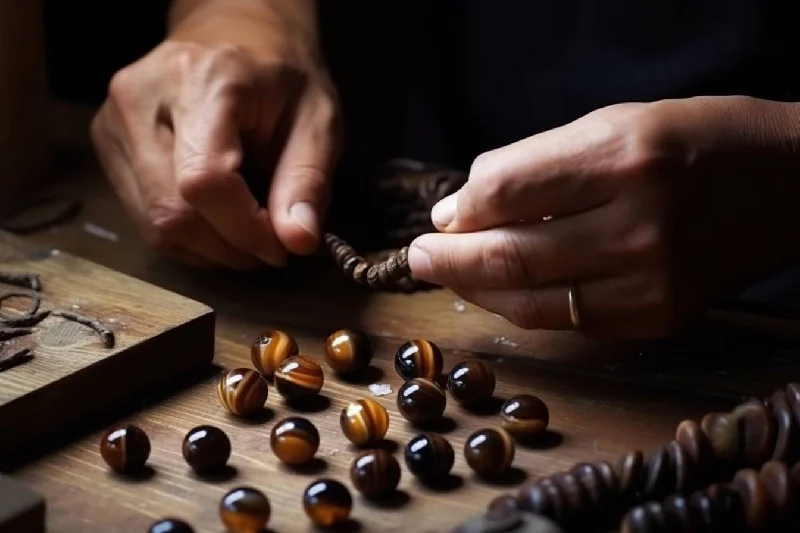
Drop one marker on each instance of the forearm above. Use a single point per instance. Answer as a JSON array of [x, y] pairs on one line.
[[261, 26]]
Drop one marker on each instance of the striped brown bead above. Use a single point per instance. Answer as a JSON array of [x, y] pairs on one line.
[[471, 383], [294, 440], [298, 377], [242, 391], [375, 473], [421, 401], [364, 422], [489, 452], [348, 351], [418, 358], [270, 349], [524, 416], [125, 448]]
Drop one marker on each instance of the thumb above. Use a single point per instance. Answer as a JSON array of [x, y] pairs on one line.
[[300, 192]]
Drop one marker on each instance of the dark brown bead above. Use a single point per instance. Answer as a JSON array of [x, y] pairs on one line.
[[270, 349], [294, 440], [471, 383], [206, 449], [524, 416], [429, 457], [696, 444], [418, 359], [759, 432], [242, 391], [299, 377], [327, 502], [630, 471], [364, 422], [683, 468], [125, 448], [658, 477], [375, 473], [489, 452], [170, 525], [421, 401], [503, 503], [594, 486], [782, 494], [754, 498], [348, 351], [787, 443], [245, 510], [723, 432]]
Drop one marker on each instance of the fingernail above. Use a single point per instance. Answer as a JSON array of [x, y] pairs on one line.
[[305, 216], [419, 261], [444, 212]]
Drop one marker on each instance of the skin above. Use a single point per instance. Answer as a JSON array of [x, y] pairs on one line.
[[232, 76], [655, 211]]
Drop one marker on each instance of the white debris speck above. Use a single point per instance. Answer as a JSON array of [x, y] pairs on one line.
[[333, 452], [380, 389], [112, 321], [54, 252], [97, 231], [459, 306], [505, 342], [75, 306]]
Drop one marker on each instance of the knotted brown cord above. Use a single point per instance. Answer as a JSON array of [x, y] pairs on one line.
[[407, 190]]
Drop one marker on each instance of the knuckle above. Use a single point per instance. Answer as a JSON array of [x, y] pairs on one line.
[[168, 221], [201, 172], [494, 184], [122, 86], [524, 310]]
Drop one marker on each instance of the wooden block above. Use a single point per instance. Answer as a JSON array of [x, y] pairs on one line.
[[159, 336], [21, 509]]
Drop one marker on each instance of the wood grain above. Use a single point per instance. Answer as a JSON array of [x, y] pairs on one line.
[[605, 397], [72, 376]]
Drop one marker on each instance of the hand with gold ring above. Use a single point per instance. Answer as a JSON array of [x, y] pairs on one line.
[[626, 221]]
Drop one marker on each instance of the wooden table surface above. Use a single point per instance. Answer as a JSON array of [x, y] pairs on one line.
[[605, 397]]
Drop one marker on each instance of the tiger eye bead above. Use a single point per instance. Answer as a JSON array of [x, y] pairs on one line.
[[245, 510], [524, 416], [206, 449], [364, 422], [429, 457], [348, 351], [125, 448], [170, 525], [242, 391], [489, 452], [299, 377], [418, 359], [375, 473], [327, 502], [421, 401], [471, 383], [270, 349], [294, 440]]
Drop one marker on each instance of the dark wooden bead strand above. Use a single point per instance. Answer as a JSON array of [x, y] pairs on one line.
[[714, 451], [409, 190], [756, 500]]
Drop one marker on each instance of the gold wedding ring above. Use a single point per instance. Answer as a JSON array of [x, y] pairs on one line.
[[574, 312]]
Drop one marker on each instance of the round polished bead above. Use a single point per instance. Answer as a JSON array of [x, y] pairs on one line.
[[125, 448], [242, 391], [348, 351], [170, 525], [206, 449], [429, 456], [245, 510], [364, 422], [418, 359], [294, 440], [327, 502], [489, 452], [270, 349], [375, 473], [421, 400], [524, 416], [471, 383], [298, 377]]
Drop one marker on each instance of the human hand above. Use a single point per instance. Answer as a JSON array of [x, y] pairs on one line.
[[657, 210], [172, 134]]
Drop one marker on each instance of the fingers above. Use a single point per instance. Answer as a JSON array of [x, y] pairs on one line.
[[207, 156], [551, 174], [607, 307], [525, 255], [300, 190]]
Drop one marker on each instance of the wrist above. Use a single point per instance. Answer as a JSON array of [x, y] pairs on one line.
[[279, 31]]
